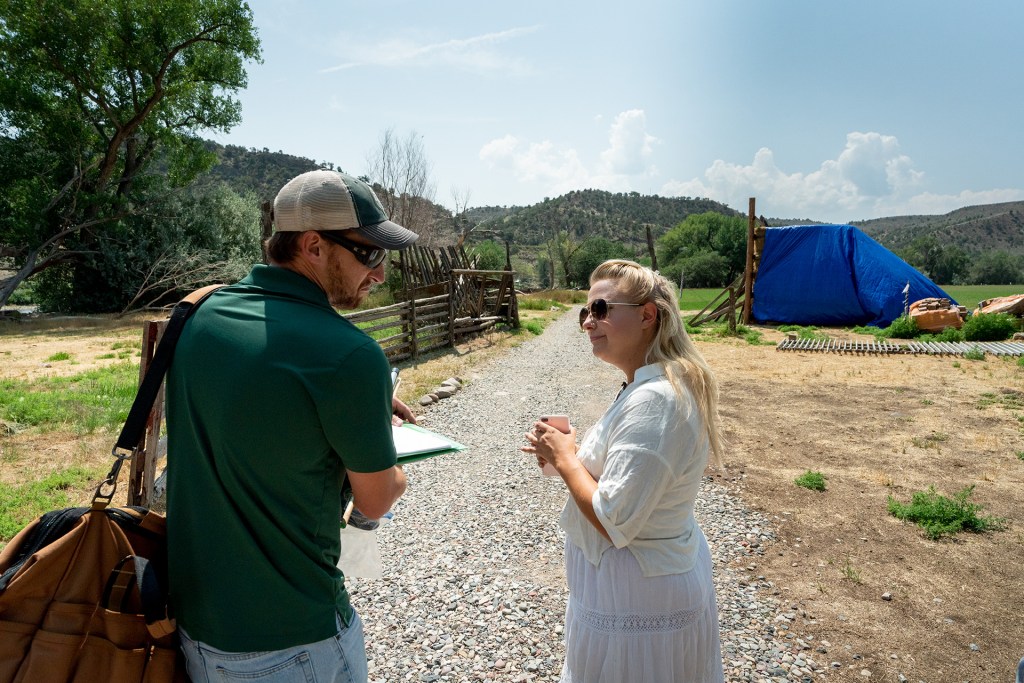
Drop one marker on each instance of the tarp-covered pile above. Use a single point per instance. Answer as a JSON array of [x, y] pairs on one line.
[[833, 275]]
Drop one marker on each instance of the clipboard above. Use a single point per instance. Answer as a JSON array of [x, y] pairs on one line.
[[414, 443]]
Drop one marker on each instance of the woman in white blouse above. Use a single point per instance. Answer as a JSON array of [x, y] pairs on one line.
[[641, 599]]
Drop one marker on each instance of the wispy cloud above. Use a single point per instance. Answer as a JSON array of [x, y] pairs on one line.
[[478, 53], [869, 178]]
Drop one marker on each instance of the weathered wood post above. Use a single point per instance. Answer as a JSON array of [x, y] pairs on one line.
[[142, 473], [748, 271]]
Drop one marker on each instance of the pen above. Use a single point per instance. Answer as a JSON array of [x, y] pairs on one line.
[[394, 381]]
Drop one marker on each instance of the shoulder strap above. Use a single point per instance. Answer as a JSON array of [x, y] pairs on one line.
[[135, 424]]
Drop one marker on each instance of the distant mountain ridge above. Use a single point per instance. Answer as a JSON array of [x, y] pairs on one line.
[[619, 217], [624, 216], [975, 229]]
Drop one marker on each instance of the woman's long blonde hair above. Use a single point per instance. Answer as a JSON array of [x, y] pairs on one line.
[[671, 347]]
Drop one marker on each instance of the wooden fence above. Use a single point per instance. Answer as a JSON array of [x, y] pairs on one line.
[[476, 300]]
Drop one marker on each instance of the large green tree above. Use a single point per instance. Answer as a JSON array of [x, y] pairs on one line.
[[945, 264], [707, 249], [101, 104]]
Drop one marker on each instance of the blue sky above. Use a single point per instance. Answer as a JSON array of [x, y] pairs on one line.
[[825, 110]]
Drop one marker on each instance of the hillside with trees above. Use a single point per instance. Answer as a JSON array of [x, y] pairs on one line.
[[974, 229]]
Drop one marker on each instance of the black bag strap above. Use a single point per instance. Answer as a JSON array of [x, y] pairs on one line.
[[142, 577], [135, 425]]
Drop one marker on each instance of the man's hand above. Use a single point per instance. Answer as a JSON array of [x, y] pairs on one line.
[[400, 413]]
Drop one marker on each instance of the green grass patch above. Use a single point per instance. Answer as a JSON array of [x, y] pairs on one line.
[[540, 304], [941, 516], [930, 441], [1020, 362], [1020, 455], [814, 481], [60, 355], [971, 295], [805, 332], [697, 299], [1009, 399], [85, 402], [533, 326], [20, 504]]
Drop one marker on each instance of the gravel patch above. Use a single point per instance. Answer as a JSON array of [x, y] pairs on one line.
[[474, 588]]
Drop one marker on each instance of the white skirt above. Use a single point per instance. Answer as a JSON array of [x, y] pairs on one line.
[[621, 627]]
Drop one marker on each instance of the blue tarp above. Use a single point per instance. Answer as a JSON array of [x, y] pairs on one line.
[[833, 275]]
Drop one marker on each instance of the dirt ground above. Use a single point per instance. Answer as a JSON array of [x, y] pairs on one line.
[[874, 592], [884, 598]]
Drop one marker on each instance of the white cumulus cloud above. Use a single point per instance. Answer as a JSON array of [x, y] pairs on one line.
[[869, 178], [559, 169]]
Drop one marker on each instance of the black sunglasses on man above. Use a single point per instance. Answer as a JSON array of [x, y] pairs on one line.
[[371, 257]]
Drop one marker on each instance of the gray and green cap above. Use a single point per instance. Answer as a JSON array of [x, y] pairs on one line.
[[329, 200]]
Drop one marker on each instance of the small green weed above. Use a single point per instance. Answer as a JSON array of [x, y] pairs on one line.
[[60, 355], [849, 572], [927, 402], [1020, 455], [941, 516], [956, 364], [19, 505], [811, 480], [1020, 362]]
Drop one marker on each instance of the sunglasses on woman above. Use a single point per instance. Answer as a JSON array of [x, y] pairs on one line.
[[371, 257], [599, 309]]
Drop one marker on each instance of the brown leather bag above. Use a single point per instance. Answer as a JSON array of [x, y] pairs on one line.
[[83, 590], [76, 586]]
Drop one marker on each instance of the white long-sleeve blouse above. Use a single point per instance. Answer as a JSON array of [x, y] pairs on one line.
[[648, 453]]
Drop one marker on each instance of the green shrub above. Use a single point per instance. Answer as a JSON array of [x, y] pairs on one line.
[[950, 334], [941, 516], [903, 327], [811, 480], [974, 353], [1020, 362], [989, 327]]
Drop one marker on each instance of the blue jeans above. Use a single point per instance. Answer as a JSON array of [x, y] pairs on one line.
[[339, 659]]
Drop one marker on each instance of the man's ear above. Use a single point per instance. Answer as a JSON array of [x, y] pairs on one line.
[[311, 245]]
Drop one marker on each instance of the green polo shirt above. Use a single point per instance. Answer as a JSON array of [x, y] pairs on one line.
[[270, 396]]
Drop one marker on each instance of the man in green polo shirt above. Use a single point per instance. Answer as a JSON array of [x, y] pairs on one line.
[[271, 399]]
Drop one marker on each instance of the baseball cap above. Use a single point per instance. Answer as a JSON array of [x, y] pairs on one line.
[[329, 200]]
